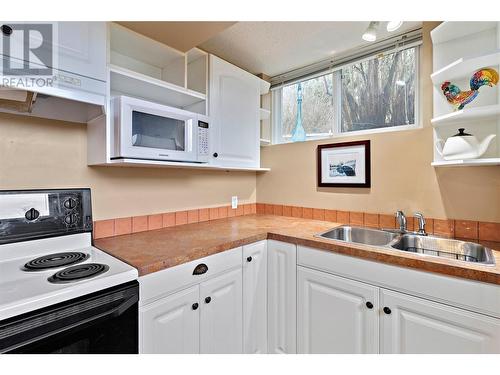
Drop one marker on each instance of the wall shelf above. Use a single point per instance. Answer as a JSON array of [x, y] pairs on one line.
[[264, 113], [467, 163], [264, 87], [489, 112], [265, 142], [139, 85], [459, 50], [179, 165], [465, 67], [454, 30]]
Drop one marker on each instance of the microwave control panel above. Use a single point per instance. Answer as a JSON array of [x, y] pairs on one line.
[[203, 138]]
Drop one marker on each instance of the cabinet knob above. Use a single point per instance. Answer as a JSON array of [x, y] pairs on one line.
[[369, 305], [195, 306], [6, 30], [215, 154], [208, 299], [249, 259], [387, 310]]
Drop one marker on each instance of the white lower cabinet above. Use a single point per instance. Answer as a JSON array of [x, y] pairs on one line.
[[340, 315], [171, 324], [195, 307], [282, 297], [335, 315], [276, 297], [221, 321], [414, 325], [255, 298]]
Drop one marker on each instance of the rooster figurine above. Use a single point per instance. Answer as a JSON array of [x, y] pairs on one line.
[[460, 98]]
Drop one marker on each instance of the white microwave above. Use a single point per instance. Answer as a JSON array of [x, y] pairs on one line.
[[146, 130]]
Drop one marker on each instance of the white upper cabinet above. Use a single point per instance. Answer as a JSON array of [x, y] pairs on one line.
[[221, 325], [77, 90], [82, 48], [282, 297], [235, 116], [411, 325], [335, 315], [255, 298], [78, 47], [171, 324]]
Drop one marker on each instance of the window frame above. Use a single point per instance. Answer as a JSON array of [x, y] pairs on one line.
[[278, 138]]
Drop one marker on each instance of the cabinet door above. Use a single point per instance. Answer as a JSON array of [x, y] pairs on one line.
[[234, 113], [335, 315], [82, 48], [171, 324], [282, 297], [415, 325], [221, 322], [255, 298]]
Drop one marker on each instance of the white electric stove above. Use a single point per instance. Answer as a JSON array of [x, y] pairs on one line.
[[52, 278]]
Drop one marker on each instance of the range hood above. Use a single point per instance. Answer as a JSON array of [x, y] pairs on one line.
[[55, 103], [17, 100]]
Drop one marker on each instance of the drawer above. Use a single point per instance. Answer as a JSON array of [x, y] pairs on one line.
[[159, 284], [467, 294]]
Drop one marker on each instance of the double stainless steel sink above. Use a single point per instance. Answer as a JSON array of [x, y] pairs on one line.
[[414, 243]]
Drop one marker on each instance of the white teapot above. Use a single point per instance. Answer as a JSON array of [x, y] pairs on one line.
[[463, 146]]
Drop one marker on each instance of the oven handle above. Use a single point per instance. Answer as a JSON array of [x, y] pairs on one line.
[[24, 332]]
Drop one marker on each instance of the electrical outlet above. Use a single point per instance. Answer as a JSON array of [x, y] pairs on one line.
[[234, 202]]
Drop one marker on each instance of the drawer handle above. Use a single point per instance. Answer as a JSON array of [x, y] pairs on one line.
[[200, 269], [208, 299], [249, 259], [387, 310]]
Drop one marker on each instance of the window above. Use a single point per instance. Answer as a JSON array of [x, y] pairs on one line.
[[379, 92], [317, 106]]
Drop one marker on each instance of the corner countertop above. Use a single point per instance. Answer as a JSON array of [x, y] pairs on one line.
[[156, 250]]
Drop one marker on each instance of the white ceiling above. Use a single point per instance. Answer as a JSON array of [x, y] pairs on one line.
[[278, 47]]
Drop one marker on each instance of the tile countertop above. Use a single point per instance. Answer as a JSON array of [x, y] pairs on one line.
[[155, 250]]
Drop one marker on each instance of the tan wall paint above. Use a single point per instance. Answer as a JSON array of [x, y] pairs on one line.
[[402, 175], [38, 153]]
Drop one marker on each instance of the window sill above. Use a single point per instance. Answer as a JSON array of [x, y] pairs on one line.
[[356, 133]]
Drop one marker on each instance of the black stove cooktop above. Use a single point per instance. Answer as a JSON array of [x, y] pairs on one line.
[[78, 272], [55, 260]]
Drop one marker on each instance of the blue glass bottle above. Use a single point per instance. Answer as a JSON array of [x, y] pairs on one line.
[[299, 133]]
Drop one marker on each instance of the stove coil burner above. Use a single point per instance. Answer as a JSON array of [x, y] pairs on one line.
[[78, 272], [55, 260]]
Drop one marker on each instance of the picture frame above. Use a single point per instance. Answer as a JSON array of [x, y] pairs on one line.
[[344, 164]]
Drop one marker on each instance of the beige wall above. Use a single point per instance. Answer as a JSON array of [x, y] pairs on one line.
[[402, 175], [37, 153]]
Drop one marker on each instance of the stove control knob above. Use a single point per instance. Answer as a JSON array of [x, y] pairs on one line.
[[70, 219], [70, 203], [32, 214]]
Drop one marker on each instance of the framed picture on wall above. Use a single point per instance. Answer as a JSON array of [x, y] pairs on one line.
[[345, 164]]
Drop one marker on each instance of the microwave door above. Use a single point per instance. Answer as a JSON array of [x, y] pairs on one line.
[[161, 137]]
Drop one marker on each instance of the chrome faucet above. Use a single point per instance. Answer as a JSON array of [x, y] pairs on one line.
[[401, 218], [421, 224]]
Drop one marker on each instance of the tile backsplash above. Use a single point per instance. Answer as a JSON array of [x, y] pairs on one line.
[[465, 229], [127, 225]]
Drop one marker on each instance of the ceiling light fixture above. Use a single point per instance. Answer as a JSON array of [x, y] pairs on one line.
[[370, 35], [393, 25]]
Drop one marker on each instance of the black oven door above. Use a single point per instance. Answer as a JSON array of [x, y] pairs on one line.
[[103, 322]]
